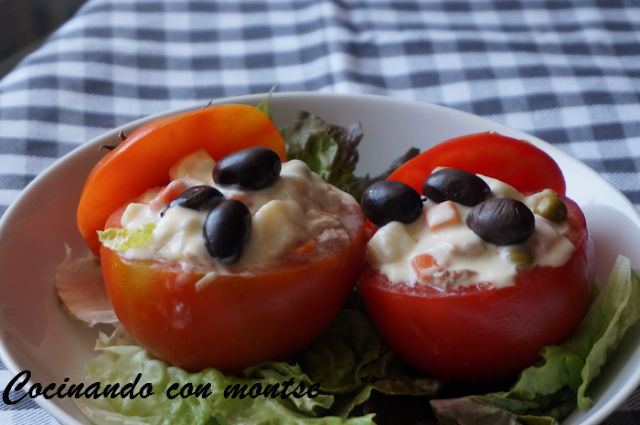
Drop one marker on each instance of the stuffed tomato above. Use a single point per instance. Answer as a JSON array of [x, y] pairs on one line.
[[492, 263], [225, 259]]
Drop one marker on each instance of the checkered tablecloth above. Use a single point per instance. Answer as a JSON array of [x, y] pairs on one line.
[[567, 72]]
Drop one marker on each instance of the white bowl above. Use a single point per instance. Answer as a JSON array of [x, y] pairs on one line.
[[35, 334]]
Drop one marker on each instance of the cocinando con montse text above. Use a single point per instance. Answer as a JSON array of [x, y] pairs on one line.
[[134, 389]]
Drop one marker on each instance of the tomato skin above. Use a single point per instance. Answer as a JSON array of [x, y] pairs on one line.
[[143, 160], [485, 334], [237, 320], [482, 334], [512, 161]]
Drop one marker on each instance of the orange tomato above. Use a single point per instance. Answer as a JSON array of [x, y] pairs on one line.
[[143, 160]]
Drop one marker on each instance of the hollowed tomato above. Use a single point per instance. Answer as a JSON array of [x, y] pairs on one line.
[[478, 333]]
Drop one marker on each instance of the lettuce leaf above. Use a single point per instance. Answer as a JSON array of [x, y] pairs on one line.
[[337, 358], [615, 310], [350, 360], [547, 392], [264, 104], [123, 239], [331, 151], [476, 410]]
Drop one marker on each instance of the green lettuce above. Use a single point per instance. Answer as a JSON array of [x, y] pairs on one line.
[[331, 151], [264, 105], [547, 392], [615, 310], [350, 360], [123, 239]]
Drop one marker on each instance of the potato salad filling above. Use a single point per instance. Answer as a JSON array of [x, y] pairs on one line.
[[297, 215], [440, 249]]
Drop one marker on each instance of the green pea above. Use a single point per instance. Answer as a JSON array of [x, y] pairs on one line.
[[552, 208], [521, 258]]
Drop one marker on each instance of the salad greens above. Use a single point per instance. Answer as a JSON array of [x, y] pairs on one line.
[[351, 363], [331, 152]]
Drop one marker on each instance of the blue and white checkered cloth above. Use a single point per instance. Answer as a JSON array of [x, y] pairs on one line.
[[565, 71]]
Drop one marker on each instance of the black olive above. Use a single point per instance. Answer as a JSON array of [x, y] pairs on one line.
[[501, 221], [226, 229], [253, 168], [387, 200], [451, 184], [199, 198]]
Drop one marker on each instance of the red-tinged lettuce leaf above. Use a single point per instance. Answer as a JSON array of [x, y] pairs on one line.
[[331, 151], [475, 410]]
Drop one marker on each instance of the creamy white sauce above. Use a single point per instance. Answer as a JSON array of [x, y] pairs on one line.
[[298, 208], [463, 258]]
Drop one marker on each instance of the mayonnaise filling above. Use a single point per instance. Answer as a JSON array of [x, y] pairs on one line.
[[462, 257], [298, 208]]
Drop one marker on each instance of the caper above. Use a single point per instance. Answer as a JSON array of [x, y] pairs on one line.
[[521, 257], [552, 208], [387, 200], [253, 168], [226, 230], [452, 184], [502, 221]]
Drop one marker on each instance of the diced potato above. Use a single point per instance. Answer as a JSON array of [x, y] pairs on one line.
[[390, 243]]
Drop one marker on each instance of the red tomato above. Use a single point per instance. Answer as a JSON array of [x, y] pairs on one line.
[[235, 321], [144, 159], [481, 334]]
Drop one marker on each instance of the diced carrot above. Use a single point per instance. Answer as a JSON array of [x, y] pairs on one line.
[[306, 248], [422, 262], [171, 192], [443, 214]]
